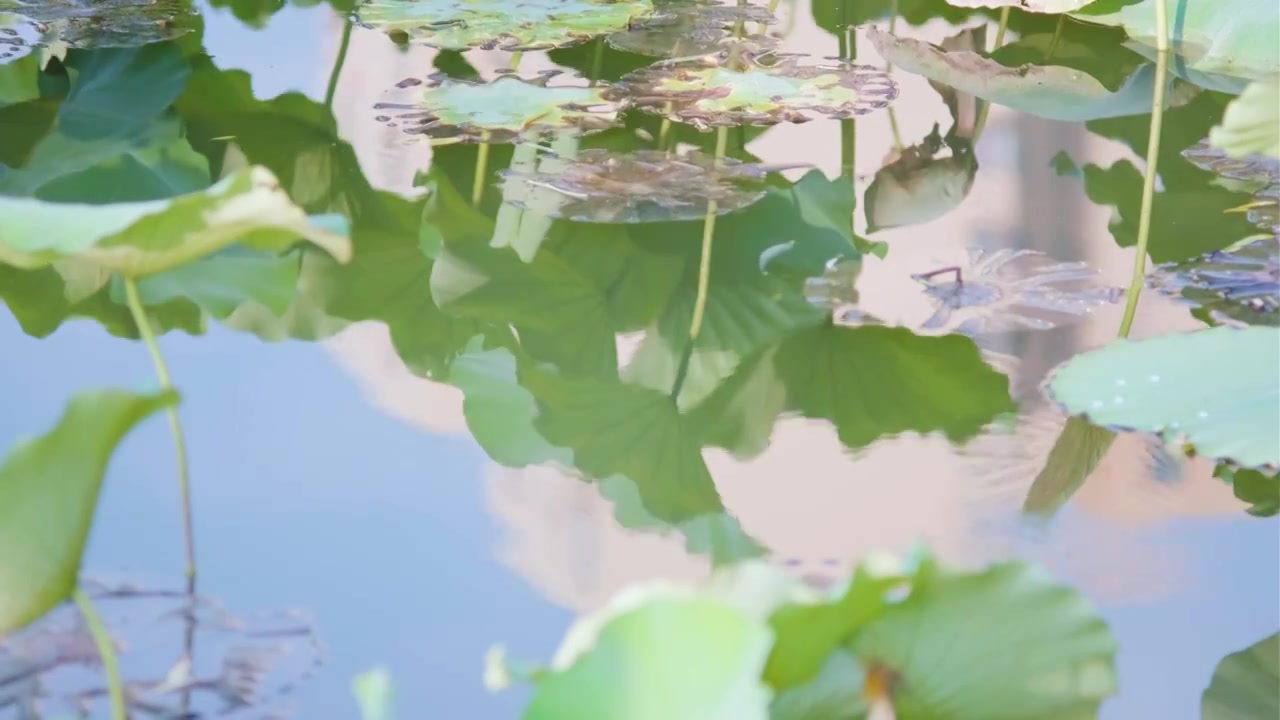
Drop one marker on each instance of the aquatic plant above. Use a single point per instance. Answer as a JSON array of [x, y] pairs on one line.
[[1012, 289], [716, 92], [643, 186], [89, 24], [687, 28], [1239, 284], [489, 24]]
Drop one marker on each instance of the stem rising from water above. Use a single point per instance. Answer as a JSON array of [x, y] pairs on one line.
[[175, 426], [106, 653]]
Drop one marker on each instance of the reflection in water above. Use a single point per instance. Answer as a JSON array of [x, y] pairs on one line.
[[245, 666]]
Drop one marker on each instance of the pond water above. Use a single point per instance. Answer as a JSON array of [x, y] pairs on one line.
[[334, 472]]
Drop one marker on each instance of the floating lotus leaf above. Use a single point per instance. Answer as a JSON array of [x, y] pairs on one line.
[[505, 24], [708, 93], [1241, 284], [88, 24], [1214, 390], [690, 27], [509, 109], [242, 664], [1013, 289], [645, 186]]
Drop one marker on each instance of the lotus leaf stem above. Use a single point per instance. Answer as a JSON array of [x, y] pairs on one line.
[[986, 105], [337, 65], [1149, 176], [708, 233], [514, 61], [175, 426], [664, 130], [482, 166], [106, 653], [1057, 38]]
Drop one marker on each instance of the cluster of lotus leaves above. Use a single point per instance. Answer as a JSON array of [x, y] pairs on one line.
[[710, 93], [504, 24], [644, 186], [26, 24]]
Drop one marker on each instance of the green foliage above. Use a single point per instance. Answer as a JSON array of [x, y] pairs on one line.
[[1214, 390], [1251, 123], [48, 491], [917, 639], [1246, 684], [1261, 490]]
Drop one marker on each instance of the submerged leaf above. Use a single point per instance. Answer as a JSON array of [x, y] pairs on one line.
[[873, 382], [709, 94], [246, 664], [142, 238], [505, 24], [509, 109], [1013, 289], [48, 493], [644, 186], [1214, 390], [1246, 684], [1238, 284]]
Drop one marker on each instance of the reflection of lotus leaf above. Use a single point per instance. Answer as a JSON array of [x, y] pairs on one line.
[[1253, 170], [85, 24], [686, 29], [1241, 285], [706, 96], [508, 24], [646, 186], [508, 109], [241, 663], [1014, 289]]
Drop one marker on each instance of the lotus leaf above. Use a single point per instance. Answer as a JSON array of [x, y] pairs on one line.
[[90, 23], [1005, 643], [143, 238], [1240, 284], [690, 27], [1246, 684], [1214, 390], [1252, 122], [922, 184], [711, 94], [644, 186], [250, 662], [506, 24], [1035, 6], [1055, 92], [48, 492], [1220, 44], [509, 109]]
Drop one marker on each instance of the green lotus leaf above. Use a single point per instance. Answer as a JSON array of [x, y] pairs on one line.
[[644, 186], [1005, 643], [1238, 284], [1252, 122], [1072, 459], [142, 238], [687, 28], [1220, 44], [1056, 92], [48, 493], [1261, 490], [1035, 6], [508, 109], [706, 96], [659, 652], [506, 24], [90, 23], [1214, 390], [1246, 684]]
